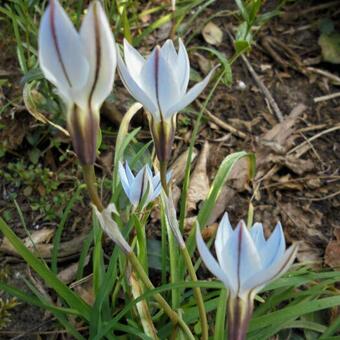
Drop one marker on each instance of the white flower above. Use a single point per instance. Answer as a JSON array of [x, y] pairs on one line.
[[170, 214], [81, 66], [111, 228], [160, 83], [246, 260], [142, 188]]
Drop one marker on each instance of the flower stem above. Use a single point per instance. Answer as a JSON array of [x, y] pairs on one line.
[[239, 314], [163, 165], [167, 309], [91, 184], [197, 293]]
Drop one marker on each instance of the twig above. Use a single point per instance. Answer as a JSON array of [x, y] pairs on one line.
[[317, 199], [311, 9], [221, 123], [318, 135], [260, 84], [327, 97], [324, 73]]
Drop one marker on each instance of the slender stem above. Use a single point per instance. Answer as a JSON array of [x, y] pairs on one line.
[[163, 165], [90, 180], [167, 309], [197, 293]]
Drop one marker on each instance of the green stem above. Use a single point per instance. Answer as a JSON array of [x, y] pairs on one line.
[[197, 293], [91, 184], [163, 169], [165, 306]]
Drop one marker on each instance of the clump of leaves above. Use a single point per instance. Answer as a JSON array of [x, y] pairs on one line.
[[5, 304]]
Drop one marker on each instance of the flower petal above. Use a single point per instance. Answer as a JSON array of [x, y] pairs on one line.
[[183, 67], [169, 54], [148, 78], [111, 227], [170, 213], [265, 276], [211, 263], [61, 54], [167, 86], [126, 184], [135, 90], [129, 173], [190, 96], [241, 258], [223, 234], [274, 248], [257, 234], [133, 60], [138, 187], [101, 51]]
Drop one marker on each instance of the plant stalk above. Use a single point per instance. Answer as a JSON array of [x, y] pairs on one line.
[[197, 293], [91, 184], [158, 297]]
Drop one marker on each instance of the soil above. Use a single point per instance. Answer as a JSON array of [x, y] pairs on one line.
[[300, 189]]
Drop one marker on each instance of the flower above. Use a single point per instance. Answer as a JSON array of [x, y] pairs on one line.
[[160, 83], [81, 66], [142, 188], [170, 215], [246, 263], [111, 228]]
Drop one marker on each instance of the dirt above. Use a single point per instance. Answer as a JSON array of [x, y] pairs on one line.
[[303, 192]]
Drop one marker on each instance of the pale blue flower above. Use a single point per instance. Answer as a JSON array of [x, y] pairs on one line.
[[246, 261], [81, 65], [161, 80], [142, 188], [160, 83]]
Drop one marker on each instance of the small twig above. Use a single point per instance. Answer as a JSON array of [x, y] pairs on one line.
[[324, 73], [221, 123], [260, 84], [318, 135], [327, 97], [311, 9], [317, 199]]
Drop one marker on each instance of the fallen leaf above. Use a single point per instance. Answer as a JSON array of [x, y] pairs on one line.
[[178, 167], [212, 34], [68, 274], [332, 254], [199, 184], [307, 253], [85, 290]]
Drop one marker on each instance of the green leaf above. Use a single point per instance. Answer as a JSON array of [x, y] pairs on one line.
[[242, 9], [288, 314], [220, 319]]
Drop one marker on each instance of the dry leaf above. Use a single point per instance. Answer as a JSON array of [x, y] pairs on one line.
[[199, 184], [178, 168], [309, 253], [212, 34], [332, 254], [85, 290], [68, 274]]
